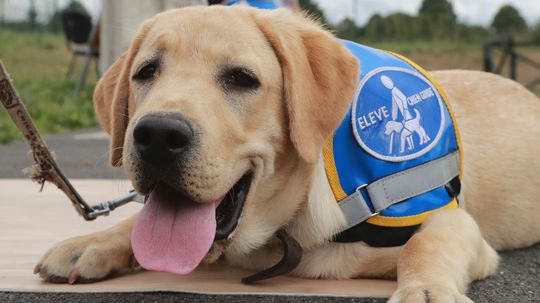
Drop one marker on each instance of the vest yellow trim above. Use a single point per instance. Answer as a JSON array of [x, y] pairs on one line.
[[331, 170]]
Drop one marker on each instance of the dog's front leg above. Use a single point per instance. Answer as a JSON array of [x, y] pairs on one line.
[[439, 261], [403, 139], [89, 258]]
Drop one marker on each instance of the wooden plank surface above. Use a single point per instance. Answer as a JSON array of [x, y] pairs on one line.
[[31, 222]]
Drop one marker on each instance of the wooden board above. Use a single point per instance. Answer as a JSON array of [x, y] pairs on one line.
[[31, 222]]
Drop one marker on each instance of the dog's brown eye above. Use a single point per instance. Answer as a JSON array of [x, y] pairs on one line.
[[147, 72], [239, 78]]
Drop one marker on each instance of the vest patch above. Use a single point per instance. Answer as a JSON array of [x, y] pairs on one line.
[[397, 115]]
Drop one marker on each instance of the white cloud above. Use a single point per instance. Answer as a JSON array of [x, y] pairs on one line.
[[471, 11], [482, 11]]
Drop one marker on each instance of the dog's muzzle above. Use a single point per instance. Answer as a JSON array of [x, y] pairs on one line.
[[160, 139]]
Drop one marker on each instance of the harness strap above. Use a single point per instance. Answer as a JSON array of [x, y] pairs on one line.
[[355, 209], [400, 186]]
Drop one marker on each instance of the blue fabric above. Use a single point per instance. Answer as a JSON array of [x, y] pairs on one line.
[[356, 166], [269, 4], [374, 154]]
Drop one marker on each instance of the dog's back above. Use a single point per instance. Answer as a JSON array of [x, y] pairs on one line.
[[501, 143]]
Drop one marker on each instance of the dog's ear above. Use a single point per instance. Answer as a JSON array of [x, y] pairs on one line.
[[112, 100], [319, 75]]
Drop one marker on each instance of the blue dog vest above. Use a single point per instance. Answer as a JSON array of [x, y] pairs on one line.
[[264, 4], [394, 159]]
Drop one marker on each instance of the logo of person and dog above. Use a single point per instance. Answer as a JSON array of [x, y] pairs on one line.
[[399, 117]]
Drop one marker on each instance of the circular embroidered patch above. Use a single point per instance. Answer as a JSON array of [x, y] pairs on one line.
[[398, 114]]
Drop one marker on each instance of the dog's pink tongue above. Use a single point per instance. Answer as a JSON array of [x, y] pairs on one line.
[[173, 234]]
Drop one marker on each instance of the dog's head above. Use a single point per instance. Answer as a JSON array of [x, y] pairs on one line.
[[392, 126], [219, 114]]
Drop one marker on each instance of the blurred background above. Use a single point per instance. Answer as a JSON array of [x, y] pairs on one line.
[[55, 50]]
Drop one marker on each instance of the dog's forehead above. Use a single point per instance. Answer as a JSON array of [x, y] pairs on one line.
[[212, 33]]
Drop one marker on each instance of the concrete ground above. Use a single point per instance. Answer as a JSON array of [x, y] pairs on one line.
[[84, 155]]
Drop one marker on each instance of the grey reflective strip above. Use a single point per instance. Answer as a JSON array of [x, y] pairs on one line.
[[413, 181], [355, 209], [400, 186]]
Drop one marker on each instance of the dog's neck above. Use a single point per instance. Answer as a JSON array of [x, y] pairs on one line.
[[320, 218]]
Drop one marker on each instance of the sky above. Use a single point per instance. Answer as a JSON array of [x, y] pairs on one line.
[[477, 12]]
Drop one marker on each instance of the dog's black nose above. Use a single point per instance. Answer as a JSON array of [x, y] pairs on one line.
[[160, 139]]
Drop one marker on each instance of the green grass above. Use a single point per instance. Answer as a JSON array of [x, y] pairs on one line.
[[37, 63], [433, 47]]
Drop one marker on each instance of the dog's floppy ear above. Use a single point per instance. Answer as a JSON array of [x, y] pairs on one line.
[[319, 75], [112, 100]]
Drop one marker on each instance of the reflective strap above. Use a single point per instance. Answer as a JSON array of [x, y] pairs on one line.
[[413, 181], [355, 209], [400, 186]]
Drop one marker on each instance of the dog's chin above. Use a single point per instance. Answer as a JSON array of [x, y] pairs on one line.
[[217, 249]]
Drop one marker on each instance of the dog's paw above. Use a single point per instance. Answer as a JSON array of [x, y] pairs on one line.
[[428, 294], [85, 259]]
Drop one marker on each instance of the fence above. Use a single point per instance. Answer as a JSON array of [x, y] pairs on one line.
[[508, 49]]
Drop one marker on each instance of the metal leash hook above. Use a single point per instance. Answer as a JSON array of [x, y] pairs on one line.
[[104, 208], [46, 167]]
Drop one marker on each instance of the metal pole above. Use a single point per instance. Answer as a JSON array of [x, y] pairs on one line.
[[2, 12], [513, 58], [355, 10], [54, 16], [488, 59], [32, 15]]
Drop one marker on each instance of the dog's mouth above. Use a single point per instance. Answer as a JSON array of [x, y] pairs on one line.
[[230, 209], [173, 233]]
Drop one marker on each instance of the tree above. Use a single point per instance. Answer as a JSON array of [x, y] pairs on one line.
[[396, 26], [436, 19], [32, 15], [400, 27], [374, 29], [535, 35], [508, 21], [55, 22], [472, 33], [2, 12], [347, 29]]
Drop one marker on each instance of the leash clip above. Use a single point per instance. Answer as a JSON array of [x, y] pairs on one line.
[[104, 208]]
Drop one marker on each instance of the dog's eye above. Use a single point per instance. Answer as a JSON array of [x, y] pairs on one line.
[[147, 72], [239, 78]]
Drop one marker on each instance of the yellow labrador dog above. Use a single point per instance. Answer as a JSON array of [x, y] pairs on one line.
[[220, 114]]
